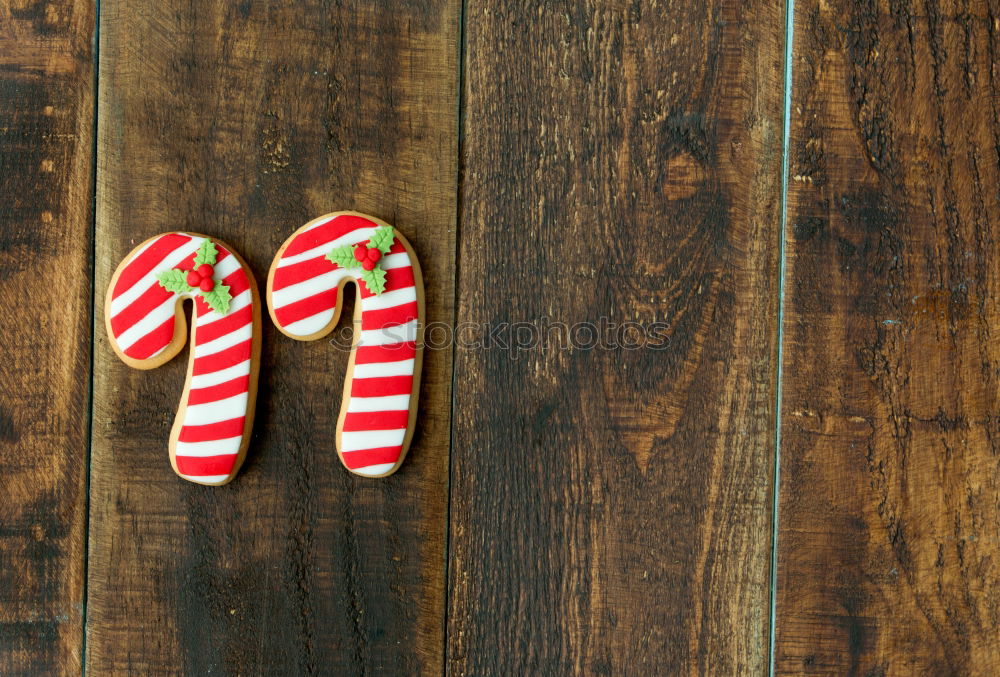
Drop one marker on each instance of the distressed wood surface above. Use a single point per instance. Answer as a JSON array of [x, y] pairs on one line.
[[890, 499], [244, 121], [46, 193], [611, 507]]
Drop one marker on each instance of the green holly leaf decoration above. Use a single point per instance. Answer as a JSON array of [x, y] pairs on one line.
[[207, 253], [218, 299], [382, 239], [173, 280], [374, 279], [343, 257]]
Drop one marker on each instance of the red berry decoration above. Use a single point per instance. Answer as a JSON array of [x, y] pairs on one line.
[[374, 254], [193, 278], [368, 264], [206, 270], [360, 252], [207, 284]]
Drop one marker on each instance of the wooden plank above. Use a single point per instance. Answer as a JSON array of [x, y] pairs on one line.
[[611, 507], [890, 500], [46, 180], [243, 121]]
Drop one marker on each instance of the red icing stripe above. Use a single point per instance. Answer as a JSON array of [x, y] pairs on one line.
[[153, 342], [147, 260], [144, 304], [329, 231], [221, 255], [133, 313], [237, 282], [395, 278], [397, 247], [212, 431], [286, 276], [381, 386], [237, 386], [223, 359], [375, 420], [219, 328], [389, 317], [307, 307], [367, 457], [392, 352], [197, 466]]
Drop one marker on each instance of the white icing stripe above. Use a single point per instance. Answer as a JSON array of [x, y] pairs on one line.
[[150, 321], [370, 439], [400, 260], [386, 403], [158, 352], [230, 445], [238, 335], [390, 262], [214, 412], [328, 281], [397, 334], [316, 225], [307, 288], [314, 323], [165, 311], [355, 236], [372, 470], [309, 325], [379, 369], [216, 377], [390, 299], [205, 479], [226, 266], [127, 297], [142, 248], [240, 302]]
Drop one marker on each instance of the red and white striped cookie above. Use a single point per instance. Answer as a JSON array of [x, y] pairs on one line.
[[304, 286], [147, 327]]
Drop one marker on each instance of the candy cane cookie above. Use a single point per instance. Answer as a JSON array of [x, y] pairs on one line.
[[304, 287], [144, 316]]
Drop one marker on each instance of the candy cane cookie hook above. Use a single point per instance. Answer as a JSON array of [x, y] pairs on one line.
[[144, 316], [304, 287]]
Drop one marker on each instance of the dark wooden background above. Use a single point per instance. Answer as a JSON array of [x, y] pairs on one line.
[[562, 512]]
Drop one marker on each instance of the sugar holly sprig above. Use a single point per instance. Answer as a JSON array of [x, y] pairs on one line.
[[368, 257], [199, 279]]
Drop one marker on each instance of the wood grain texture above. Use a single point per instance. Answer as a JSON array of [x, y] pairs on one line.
[[46, 184], [244, 120], [890, 501], [611, 507]]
